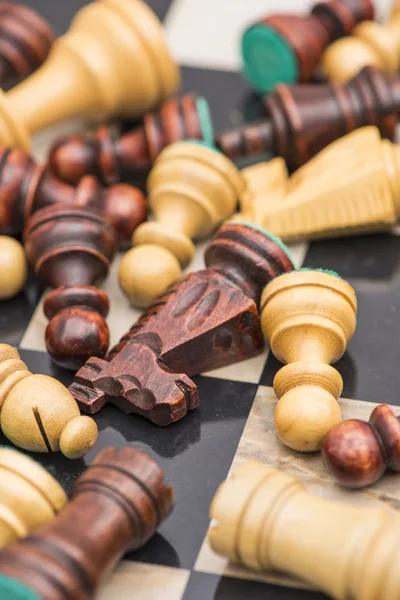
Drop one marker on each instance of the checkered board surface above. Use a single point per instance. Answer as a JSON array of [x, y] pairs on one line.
[[235, 419]]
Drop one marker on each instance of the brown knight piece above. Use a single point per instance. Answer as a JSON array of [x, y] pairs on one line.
[[206, 320]]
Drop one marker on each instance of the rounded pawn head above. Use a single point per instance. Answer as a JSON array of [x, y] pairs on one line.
[[304, 415], [125, 208], [35, 414], [146, 272], [71, 158], [78, 437], [13, 268]]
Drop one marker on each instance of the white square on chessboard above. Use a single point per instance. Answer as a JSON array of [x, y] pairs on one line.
[[214, 41]]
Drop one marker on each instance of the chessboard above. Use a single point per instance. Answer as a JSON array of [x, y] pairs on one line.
[[235, 419]]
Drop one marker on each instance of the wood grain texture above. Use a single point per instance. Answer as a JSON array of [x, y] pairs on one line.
[[192, 189], [371, 43], [307, 317], [85, 73], [25, 42], [121, 499], [206, 320], [29, 496], [358, 453], [263, 517], [112, 156], [71, 249], [301, 120], [27, 187]]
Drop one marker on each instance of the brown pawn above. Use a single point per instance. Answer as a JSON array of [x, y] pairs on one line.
[[26, 187], [357, 453], [71, 249], [111, 157], [116, 506], [287, 48], [206, 320], [302, 119], [25, 42]]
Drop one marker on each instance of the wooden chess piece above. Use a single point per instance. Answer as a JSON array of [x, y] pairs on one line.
[[206, 320], [38, 413], [13, 268], [26, 187], [29, 496], [111, 156], [192, 189], [357, 453], [266, 520], [267, 184], [287, 48], [71, 248], [116, 506], [308, 316], [25, 41], [86, 72], [351, 187], [301, 120], [370, 43]]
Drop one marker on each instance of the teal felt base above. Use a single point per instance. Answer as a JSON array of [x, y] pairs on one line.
[[14, 590]]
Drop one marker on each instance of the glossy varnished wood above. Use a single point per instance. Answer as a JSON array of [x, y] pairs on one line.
[[116, 505], [205, 320], [71, 249], [27, 187]]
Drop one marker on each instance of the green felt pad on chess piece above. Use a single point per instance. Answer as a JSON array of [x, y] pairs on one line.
[[271, 236], [206, 124], [14, 590], [267, 58], [327, 271]]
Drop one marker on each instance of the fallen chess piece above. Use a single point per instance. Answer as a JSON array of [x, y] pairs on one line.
[[357, 453], [116, 506], [27, 187], [71, 249], [308, 317], [25, 42], [370, 43], [206, 320], [112, 157], [266, 520], [29, 496], [351, 187], [86, 72], [288, 47], [38, 413], [13, 267], [192, 189], [301, 120]]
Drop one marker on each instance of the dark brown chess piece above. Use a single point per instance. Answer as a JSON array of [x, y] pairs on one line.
[[207, 319], [116, 506], [26, 187], [303, 119], [111, 157], [287, 48], [358, 453], [25, 41], [71, 248]]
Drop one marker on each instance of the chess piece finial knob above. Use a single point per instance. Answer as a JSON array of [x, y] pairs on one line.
[[29, 496], [287, 48], [371, 43], [13, 268], [262, 518], [25, 41], [38, 413], [112, 157], [358, 453], [71, 249], [85, 73], [192, 189], [307, 316], [27, 187], [121, 497]]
